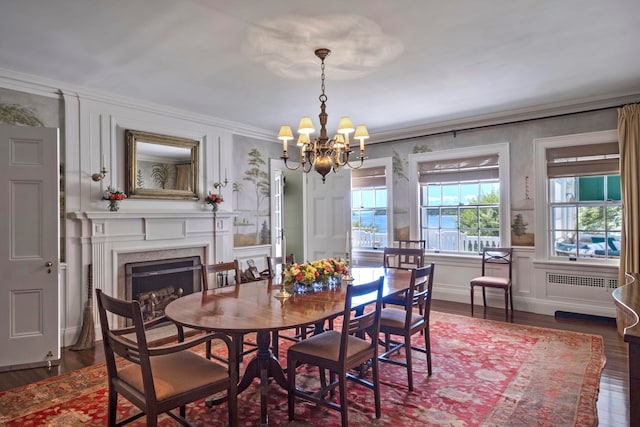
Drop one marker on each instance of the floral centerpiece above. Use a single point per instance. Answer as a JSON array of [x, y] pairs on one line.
[[320, 272], [113, 196], [329, 268], [214, 200]]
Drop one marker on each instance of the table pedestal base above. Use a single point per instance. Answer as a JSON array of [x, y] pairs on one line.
[[263, 366]]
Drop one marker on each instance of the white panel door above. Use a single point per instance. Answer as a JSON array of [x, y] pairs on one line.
[[328, 215], [29, 320]]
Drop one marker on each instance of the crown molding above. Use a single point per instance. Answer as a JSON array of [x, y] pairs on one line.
[[51, 88], [19, 82], [505, 117]]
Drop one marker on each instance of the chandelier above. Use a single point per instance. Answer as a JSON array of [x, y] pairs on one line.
[[324, 154]]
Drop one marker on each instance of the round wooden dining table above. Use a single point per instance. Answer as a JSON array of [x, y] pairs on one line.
[[257, 307]]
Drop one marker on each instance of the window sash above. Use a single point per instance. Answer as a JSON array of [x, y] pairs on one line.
[[432, 232]]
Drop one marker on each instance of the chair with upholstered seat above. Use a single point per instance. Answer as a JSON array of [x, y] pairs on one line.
[[406, 322], [275, 266], [405, 258], [215, 276], [341, 351], [158, 379], [495, 257]]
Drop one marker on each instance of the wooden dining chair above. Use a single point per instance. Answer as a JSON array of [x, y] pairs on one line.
[[412, 244], [406, 258], [495, 257], [340, 352], [402, 257], [406, 322], [275, 265], [215, 276], [158, 379]]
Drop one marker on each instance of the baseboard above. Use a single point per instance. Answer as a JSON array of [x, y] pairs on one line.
[[571, 315], [69, 336], [548, 307], [53, 362]]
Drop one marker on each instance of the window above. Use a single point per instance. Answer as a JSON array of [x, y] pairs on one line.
[[585, 209], [370, 201], [462, 198]]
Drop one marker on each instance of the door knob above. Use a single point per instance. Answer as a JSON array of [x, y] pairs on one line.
[[48, 264]]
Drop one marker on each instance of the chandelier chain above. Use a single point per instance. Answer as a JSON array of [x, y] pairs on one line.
[[322, 97]]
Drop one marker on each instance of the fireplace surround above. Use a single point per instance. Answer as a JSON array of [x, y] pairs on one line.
[[110, 240], [156, 283]]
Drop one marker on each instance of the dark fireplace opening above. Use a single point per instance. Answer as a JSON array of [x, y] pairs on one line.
[[156, 283]]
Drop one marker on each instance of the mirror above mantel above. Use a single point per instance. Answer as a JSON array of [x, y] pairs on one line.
[[161, 166]]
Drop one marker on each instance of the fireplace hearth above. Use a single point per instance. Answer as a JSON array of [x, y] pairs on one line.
[[156, 283]]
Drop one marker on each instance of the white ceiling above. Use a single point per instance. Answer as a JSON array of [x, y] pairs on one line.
[[394, 64]]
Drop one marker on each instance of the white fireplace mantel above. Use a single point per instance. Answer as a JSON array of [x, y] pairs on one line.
[[109, 236]]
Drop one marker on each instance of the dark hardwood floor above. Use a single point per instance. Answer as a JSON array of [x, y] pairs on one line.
[[613, 403]]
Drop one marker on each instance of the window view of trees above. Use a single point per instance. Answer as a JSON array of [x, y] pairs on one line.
[[461, 216], [487, 219]]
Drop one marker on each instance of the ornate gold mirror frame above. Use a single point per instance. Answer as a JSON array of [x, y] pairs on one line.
[[161, 166]]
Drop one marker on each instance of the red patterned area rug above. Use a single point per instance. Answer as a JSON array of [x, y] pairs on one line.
[[485, 373]]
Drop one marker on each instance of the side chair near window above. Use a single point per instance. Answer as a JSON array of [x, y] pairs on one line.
[[495, 257], [159, 379], [341, 352], [215, 276], [406, 322]]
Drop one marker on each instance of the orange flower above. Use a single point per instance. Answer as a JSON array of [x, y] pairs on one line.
[[113, 194]]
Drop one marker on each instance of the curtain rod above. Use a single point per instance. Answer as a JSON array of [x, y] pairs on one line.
[[454, 132]]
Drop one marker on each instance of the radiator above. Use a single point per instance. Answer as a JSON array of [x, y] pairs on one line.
[[586, 281]]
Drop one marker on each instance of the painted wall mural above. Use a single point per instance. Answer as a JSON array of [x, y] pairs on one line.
[[14, 114], [251, 189], [25, 109]]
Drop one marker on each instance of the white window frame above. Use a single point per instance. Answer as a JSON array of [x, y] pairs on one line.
[[542, 250], [387, 162], [499, 149]]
